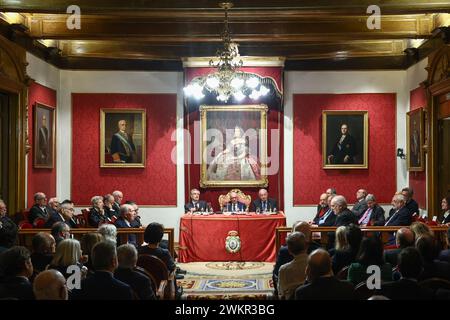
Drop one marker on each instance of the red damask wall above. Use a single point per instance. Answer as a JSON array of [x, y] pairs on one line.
[[156, 184], [39, 179], [310, 180], [418, 180]]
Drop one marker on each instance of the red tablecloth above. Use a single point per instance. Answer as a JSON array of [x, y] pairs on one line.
[[202, 238]]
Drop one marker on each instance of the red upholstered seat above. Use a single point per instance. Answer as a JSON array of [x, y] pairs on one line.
[[85, 213], [24, 224], [39, 223]]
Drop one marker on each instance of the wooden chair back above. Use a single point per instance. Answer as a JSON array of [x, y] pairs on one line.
[[158, 269]]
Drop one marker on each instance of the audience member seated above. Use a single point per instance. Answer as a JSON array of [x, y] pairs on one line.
[[16, 269], [401, 216], [195, 204], [234, 205], [410, 267], [53, 206], [118, 197], [444, 255], [410, 203], [60, 231], [374, 215], [404, 238], [127, 257], [329, 218], [108, 206], [108, 231], [44, 246], [322, 208], [63, 214], [431, 268], [97, 214], [68, 253], [340, 243], [331, 191], [292, 274], [8, 233], [125, 220], [136, 221], [50, 285], [445, 205], [102, 285], [152, 236], [88, 241], [39, 211], [264, 203], [370, 254], [321, 284], [361, 203], [284, 256], [344, 216], [343, 258], [420, 229]]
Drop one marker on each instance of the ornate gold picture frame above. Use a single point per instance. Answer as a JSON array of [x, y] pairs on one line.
[[233, 146], [345, 139], [415, 135], [122, 138], [44, 136]]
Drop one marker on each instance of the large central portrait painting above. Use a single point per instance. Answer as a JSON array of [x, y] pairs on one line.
[[233, 146]]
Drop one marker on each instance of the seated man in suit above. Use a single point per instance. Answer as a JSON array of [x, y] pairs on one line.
[[136, 221], [44, 246], [127, 216], [39, 210], [53, 205], [361, 205], [321, 283], [404, 238], [401, 216], [118, 197], [234, 205], [50, 285], [264, 203], [410, 266], [102, 285], [63, 214], [108, 206], [410, 203], [322, 208], [344, 216], [328, 219], [292, 274], [16, 269], [374, 214], [141, 284], [195, 205], [8, 233], [60, 231], [97, 214]]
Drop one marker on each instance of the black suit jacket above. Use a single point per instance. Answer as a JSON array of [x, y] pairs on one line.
[[317, 217], [359, 208], [240, 206], [200, 205], [444, 255], [445, 220], [325, 288], [137, 281], [346, 148], [16, 287], [102, 286], [284, 256], [391, 256], [412, 206], [36, 212], [121, 223], [405, 289], [271, 204], [345, 218], [376, 217], [54, 218], [95, 218], [116, 208], [401, 218], [40, 261]]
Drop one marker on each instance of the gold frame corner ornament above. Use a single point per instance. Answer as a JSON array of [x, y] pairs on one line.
[[365, 164], [263, 182], [420, 111], [141, 164]]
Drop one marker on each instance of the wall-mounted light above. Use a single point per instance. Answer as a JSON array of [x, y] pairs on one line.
[[401, 154]]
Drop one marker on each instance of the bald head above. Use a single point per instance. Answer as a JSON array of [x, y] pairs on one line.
[[319, 265], [404, 238], [50, 285], [323, 200], [303, 227]]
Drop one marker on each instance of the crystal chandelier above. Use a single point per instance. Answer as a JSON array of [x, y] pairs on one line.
[[227, 81]]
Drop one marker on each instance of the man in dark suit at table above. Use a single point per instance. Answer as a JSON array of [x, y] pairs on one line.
[[401, 216], [410, 203], [264, 203], [234, 205], [40, 209], [322, 208], [195, 204], [361, 205]]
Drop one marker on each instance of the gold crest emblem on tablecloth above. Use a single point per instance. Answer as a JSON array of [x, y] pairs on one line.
[[233, 242]]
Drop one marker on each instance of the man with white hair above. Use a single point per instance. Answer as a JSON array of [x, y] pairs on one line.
[[401, 216], [97, 214], [374, 215], [39, 210], [235, 205], [63, 214], [50, 285], [127, 257], [118, 197], [344, 216], [108, 231], [264, 203], [53, 205], [195, 204], [361, 205], [127, 216]]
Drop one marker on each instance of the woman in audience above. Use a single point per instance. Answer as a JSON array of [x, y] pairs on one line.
[[109, 232], [370, 254], [68, 253], [344, 258], [341, 241], [445, 204], [431, 268], [420, 229], [88, 241]]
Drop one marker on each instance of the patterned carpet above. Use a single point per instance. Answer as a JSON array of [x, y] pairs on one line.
[[223, 280]]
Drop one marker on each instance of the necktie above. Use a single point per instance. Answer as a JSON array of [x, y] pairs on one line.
[[325, 216], [365, 218], [264, 205], [389, 220]]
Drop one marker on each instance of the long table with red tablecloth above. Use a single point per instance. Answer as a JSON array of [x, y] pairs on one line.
[[203, 238]]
